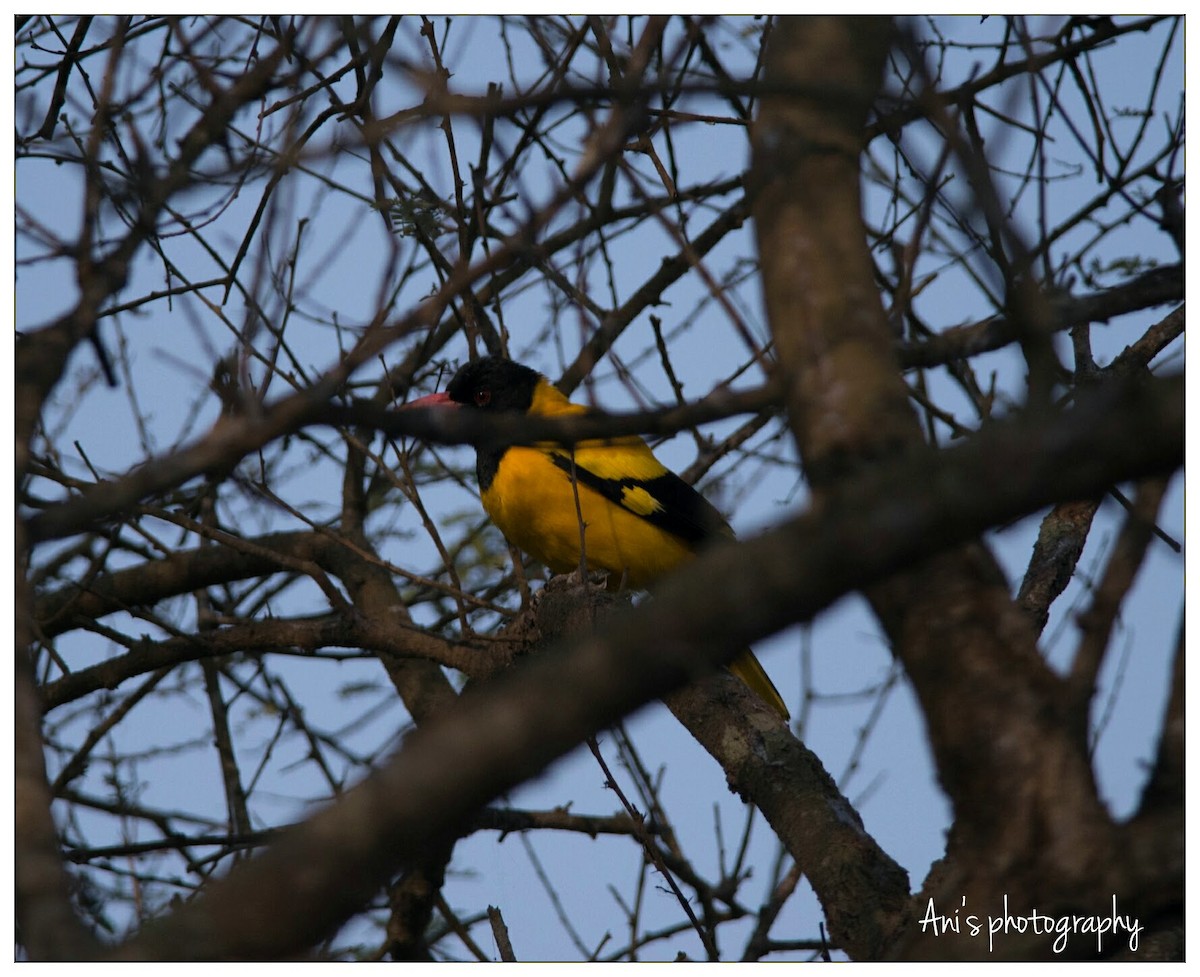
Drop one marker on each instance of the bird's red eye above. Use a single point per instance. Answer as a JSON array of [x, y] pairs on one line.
[[483, 397]]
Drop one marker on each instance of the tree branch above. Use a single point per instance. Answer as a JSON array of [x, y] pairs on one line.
[[498, 735], [1158, 286]]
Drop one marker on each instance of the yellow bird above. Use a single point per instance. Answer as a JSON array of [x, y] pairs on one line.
[[640, 519]]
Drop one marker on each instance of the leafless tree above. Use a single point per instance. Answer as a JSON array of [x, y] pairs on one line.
[[274, 668]]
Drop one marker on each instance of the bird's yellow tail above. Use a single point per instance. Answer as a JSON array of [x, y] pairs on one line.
[[747, 668]]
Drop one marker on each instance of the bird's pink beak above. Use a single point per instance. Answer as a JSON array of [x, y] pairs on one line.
[[433, 400]]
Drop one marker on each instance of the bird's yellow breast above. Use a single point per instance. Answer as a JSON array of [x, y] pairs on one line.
[[533, 502]]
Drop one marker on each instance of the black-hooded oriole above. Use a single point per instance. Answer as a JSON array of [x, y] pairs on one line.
[[640, 519]]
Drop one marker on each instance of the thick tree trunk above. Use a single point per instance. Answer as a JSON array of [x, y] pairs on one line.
[[1008, 738]]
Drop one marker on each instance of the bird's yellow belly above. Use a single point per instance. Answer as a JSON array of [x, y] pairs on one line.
[[533, 503]]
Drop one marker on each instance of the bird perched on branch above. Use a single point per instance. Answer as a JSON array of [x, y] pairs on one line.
[[639, 519]]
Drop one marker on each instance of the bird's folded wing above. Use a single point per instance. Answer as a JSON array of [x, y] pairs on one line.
[[626, 473]]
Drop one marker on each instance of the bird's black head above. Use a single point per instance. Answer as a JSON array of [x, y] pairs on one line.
[[494, 384]]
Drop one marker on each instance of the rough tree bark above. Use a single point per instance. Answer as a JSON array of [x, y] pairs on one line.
[[1028, 822]]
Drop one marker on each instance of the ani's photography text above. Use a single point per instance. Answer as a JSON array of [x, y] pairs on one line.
[[1058, 929]]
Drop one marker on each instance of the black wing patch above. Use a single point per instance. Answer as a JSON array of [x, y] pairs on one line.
[[685, 512]]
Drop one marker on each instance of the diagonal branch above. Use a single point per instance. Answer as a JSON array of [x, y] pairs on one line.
[[1158, 286], [321, 871]]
